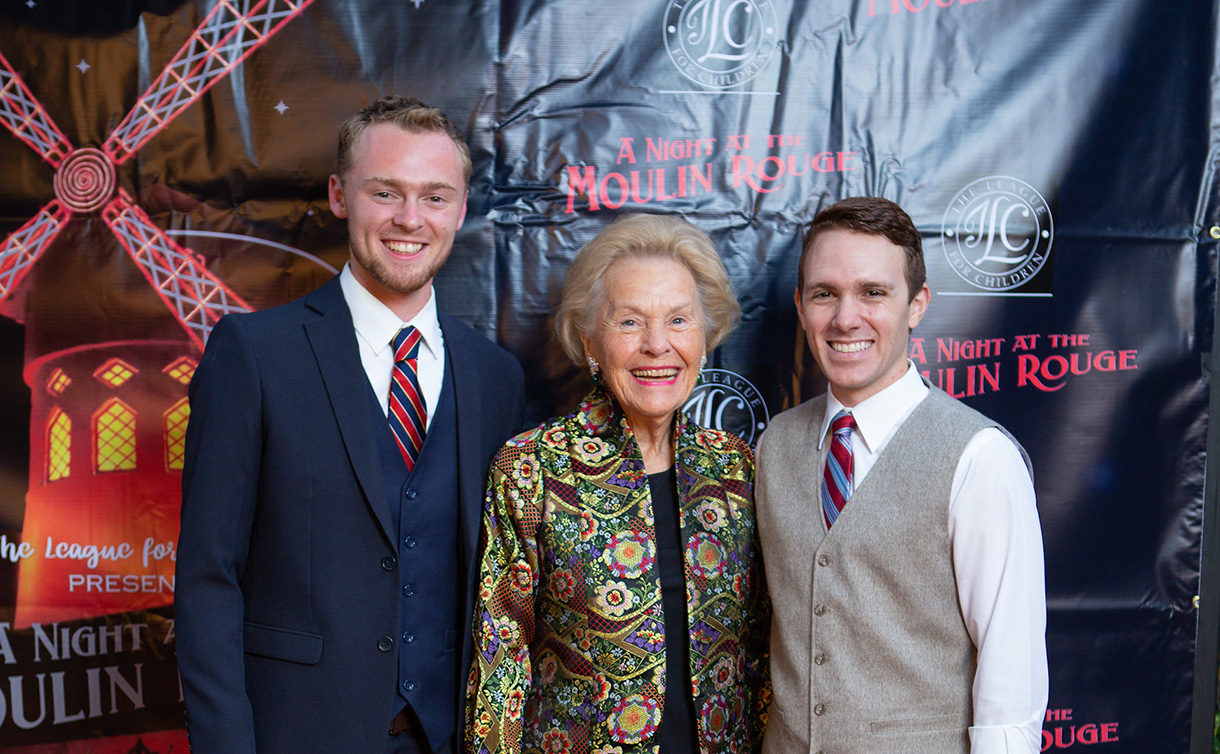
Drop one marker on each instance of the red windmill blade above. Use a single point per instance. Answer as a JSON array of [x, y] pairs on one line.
[[85, 179], [195, 296], [26, 118], [25, 245], [226, 37], [24, 115]]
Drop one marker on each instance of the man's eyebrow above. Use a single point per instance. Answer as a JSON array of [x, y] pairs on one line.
[[440, 186], [860, 286], [375, 180], [397, 184]]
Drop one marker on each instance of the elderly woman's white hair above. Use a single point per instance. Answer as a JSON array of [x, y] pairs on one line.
[[639, 236]]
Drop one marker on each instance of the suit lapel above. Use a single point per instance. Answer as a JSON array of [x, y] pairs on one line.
[[333, 339], [470, 415]]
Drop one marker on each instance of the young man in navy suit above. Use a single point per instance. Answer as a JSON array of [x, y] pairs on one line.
[[326, 565]]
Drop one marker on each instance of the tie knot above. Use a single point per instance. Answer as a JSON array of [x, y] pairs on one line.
[[842, 422], [406, 343]]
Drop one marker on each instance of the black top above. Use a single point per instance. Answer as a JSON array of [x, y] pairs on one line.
[[678, 733]]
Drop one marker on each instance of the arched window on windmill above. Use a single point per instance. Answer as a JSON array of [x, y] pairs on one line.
[[175, 434], [58, 431], [59, 446], [114, 435]]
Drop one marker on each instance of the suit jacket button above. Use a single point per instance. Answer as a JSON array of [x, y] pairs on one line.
[[823, 560], [819, 709], [819, 609], [385, 644], [409, 542], [388, 562], [408, 590], [820, 659], [412, 493]]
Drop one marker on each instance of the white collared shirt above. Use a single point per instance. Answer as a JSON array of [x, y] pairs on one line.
[[376, 326], [997, 560]]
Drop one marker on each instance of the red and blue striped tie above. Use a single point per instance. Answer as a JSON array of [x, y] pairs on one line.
[[408, 415], [837, 476]]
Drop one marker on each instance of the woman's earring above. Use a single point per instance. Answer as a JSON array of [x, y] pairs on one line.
[[594, 369], [702, 361]]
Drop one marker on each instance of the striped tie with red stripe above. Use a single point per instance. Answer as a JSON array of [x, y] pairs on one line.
[[408, 415], [837, 476]]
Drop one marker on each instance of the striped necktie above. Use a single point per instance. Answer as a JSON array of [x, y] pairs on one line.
[[408, 416], [837, 476]]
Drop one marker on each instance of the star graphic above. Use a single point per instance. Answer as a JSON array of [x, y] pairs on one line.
[[417, 3], [30, 4], [280, 108], [83, 66]]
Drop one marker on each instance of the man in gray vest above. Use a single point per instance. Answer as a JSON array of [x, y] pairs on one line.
[[899, 529]]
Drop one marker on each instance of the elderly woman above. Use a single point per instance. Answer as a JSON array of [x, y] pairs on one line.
[[622, 599]]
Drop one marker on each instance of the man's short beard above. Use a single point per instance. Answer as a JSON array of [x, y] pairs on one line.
[[381, 271]]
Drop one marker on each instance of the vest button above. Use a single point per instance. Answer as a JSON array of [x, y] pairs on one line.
[[819, 709], [408, 590], [823, 560], [409, 542], [407, 638], [820, 659], [819, 609], [385, 644], [388, 562], [408, 686], [412, 493]]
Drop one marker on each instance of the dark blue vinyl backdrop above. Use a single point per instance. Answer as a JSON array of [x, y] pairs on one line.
[[1058, 156]]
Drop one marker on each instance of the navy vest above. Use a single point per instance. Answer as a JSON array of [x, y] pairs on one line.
[[424, 512]]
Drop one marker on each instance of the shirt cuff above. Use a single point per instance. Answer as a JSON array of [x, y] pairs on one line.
[[1005, 739]]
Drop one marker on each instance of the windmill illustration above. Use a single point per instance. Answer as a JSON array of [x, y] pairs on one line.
[[108, 419]]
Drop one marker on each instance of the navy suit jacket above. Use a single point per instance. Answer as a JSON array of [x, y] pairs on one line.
[[287, 590]]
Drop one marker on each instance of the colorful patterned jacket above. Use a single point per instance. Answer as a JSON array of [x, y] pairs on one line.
[[569, 631]]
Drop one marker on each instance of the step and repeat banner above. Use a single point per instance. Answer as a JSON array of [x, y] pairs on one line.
[[163, 162]]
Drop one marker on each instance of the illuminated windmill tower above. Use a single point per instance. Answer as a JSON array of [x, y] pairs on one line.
[[108, 416]]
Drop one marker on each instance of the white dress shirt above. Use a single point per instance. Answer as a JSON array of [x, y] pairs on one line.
[[997, 560], [376, 326]]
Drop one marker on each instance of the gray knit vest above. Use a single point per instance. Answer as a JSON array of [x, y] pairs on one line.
[[869, 653]]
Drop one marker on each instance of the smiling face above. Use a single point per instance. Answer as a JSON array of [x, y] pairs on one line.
[[404, 198], [857, 312], [648, 337]]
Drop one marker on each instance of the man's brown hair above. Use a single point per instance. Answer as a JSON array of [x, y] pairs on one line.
[[874, 216], [408, 113]]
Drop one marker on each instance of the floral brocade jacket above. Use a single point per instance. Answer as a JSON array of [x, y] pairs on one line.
[[569, 630]]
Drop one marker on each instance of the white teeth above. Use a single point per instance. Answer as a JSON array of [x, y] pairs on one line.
[[654, 373], [851, 347], [404, 248]]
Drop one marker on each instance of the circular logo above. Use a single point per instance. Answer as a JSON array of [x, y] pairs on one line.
[[725, 400], [998, 233], [720, 43], [85, 180]]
